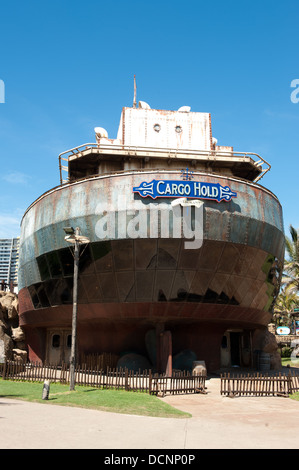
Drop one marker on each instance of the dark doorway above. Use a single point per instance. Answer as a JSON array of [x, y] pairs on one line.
[[235, 349]]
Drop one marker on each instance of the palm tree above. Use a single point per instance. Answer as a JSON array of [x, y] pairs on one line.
[[290, 278], [288, 298], [284, 307]]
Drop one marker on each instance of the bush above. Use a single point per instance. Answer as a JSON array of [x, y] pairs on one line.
[[286, 352]]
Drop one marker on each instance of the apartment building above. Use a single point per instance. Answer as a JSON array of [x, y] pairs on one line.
[[9, 258]]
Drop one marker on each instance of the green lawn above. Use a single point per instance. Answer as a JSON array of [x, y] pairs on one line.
[[117, 401], [295, 396], [288, 361]]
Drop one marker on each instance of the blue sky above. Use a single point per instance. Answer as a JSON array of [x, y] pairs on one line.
[[68, 67]]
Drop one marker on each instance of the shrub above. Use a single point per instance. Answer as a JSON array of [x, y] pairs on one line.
[[286, 352]]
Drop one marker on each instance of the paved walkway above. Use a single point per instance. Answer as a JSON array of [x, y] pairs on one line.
[[217, 423]]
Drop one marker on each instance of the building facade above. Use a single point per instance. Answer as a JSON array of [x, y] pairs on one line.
[[9, 258], [185, 255]]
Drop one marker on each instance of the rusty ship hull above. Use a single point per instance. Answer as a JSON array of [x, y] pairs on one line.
[[129, 286]]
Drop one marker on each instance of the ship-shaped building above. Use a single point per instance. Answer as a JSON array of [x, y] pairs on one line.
[[185, 249]]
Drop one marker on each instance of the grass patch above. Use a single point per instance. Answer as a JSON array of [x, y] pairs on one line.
[[116, 401], [287, 361], [295, 396]]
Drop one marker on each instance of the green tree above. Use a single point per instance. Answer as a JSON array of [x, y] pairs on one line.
[[290, 279], [288, 298], [284, 306]]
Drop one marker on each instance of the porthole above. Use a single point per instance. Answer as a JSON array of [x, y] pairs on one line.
[[157, 127], [178, 129]]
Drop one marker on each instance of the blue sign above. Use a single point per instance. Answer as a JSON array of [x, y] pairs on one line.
[[189, 189]]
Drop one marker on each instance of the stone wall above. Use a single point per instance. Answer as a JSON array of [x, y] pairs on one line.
[[264, 340], [12, 337]]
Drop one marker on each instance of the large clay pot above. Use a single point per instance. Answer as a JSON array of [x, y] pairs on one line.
[[199, 368]]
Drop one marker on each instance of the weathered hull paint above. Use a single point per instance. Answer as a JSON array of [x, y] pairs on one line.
[[232, 280]]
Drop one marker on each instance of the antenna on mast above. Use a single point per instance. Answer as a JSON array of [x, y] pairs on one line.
[[134, 102]]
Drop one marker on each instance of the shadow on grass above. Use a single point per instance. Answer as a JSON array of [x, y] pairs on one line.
[[10, 396]]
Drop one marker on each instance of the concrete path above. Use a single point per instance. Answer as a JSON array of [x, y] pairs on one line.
[[217, 423]]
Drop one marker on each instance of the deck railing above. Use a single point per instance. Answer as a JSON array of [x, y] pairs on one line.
[[64, 157]]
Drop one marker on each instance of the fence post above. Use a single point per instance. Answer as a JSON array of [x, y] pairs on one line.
[[4, 369], [126, 379], [150, 382], [63, 374], [289, 381]]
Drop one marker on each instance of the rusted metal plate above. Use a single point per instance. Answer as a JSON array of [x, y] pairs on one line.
[[254, 217], [233, 276]]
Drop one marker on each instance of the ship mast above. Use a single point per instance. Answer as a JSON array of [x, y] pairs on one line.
[[134, 102]]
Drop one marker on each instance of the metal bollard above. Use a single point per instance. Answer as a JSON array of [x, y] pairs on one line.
[[46, 390]]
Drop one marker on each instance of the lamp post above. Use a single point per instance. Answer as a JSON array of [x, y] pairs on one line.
[[73, 236]]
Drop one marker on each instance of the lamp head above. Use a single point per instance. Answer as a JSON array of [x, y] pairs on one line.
[[69, 230]]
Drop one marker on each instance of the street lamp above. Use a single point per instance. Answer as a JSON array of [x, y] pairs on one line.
[[74, 237]]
